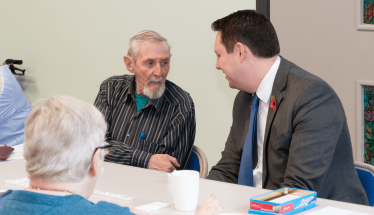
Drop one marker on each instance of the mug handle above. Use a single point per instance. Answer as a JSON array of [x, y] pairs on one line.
[[169, 177]]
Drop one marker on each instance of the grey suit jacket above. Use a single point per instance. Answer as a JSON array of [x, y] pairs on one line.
[[306, 144]]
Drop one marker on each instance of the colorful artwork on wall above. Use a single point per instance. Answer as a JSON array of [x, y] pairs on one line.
[[368, 124], [368, 11]]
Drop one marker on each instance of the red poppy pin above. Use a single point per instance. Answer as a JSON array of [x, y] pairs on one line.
[[273, 103]]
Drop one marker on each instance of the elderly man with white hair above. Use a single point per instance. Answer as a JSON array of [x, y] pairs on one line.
[[63, 146], [151, 121]]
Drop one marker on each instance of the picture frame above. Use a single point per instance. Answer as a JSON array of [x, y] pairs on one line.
[[360, 119], [360, 25]]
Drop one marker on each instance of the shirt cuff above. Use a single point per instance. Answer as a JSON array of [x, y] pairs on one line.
[[140, 158]]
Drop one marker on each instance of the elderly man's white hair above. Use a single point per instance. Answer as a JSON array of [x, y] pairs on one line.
[[61, 135], [146, 36]]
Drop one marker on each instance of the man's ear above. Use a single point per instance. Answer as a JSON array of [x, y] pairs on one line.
[[130, 63], [240, 52], [94, 164]]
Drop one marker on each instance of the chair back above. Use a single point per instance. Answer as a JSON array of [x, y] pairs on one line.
[[199, 162], [366, 175]]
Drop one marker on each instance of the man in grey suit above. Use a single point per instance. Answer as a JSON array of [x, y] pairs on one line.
[[298, 134]]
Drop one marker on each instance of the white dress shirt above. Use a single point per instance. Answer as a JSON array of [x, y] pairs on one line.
[[263, 92]]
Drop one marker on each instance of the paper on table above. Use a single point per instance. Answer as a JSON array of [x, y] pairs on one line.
[[331, 210], [153, 206], [284, 199], [230, 214]]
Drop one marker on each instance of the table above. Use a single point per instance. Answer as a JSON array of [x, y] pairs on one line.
[[147, 186]]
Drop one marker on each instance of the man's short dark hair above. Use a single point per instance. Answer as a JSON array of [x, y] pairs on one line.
[[251, 28]]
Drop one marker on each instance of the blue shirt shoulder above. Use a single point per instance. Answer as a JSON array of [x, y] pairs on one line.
[[14, 109]]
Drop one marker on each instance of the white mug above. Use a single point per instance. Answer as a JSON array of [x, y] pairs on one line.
[[185, 189]]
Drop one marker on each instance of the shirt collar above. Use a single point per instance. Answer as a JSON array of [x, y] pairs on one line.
[[264, 89], [130, 91], [130, 85]]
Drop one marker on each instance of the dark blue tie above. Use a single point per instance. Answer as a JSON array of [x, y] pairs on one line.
[[246, 166]]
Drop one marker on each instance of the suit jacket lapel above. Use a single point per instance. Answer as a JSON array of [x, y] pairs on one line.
[[280, 82]]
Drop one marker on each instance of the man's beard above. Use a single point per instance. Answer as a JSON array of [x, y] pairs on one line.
[[153, 95]]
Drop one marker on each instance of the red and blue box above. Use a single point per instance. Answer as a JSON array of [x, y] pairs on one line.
[[283, 201]]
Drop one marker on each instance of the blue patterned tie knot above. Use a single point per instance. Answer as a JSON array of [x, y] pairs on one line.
[[255, 101]]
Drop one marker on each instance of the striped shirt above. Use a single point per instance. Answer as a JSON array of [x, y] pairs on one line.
[[168, 123], [14, 109]]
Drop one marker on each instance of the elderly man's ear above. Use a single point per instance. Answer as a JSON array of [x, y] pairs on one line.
[[130, 63], [94, 164]]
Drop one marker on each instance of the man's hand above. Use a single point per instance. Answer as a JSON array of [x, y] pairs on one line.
[[211, 206], [163, 162], [138, 212]]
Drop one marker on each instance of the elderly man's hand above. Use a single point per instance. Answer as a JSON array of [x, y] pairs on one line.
[[211, 206], [163, 162], [138, 212]]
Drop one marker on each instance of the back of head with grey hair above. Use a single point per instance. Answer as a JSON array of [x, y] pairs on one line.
[[61, 135], [146, 36]]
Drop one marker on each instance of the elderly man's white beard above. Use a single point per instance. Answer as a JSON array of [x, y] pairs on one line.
[[153, 95]]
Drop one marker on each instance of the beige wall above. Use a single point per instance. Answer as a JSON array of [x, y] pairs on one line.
[[321, 37], [69, 47]]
